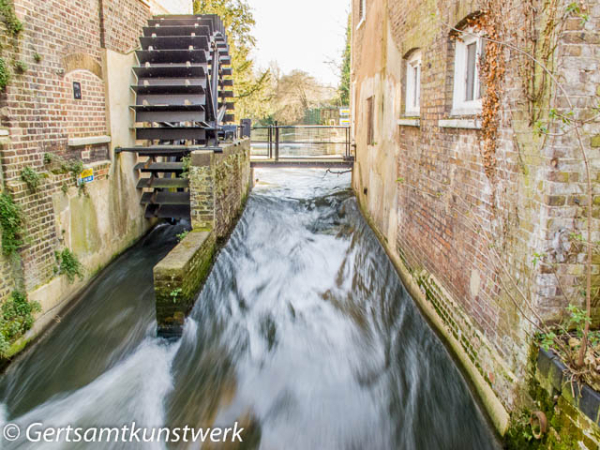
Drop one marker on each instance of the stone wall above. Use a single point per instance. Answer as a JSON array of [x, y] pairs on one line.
[[219, 185], [178, 279], [63, 43], [425, 184]]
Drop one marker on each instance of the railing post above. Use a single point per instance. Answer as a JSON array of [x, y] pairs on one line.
[[270, 142], [348, 143], [276, 141]]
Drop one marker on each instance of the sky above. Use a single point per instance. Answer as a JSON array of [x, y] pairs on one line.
[[301, 35]]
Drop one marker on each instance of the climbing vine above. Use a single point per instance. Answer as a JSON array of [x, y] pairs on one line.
[[492, 69], [551, 112]]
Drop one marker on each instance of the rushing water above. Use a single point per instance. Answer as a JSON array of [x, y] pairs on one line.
[[303, 334]]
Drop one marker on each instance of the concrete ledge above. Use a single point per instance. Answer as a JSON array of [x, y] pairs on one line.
[[178, 279], [90, 140], [469, 124], [409, 122]]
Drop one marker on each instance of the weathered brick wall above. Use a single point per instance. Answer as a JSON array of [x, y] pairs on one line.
[[437, 207], [62, 42], [232, 182], [564, 205], [122, 23], [87, 116], [219, 185]]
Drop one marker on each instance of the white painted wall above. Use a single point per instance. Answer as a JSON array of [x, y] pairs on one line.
[[171, 6]]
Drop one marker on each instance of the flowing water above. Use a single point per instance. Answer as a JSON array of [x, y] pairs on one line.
[[303, 334]]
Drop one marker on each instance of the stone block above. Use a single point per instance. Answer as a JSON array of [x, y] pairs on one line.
[[178, 279]]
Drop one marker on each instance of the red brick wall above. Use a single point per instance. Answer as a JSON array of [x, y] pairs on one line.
[[39, 109], [446, 205], [87, 116], [123, 20]]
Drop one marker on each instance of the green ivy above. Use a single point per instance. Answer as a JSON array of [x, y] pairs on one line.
[[68, 264], [16, 317], [31, 177], [11, 223]]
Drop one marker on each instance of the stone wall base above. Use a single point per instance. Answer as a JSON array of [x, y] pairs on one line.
[[179, 277]]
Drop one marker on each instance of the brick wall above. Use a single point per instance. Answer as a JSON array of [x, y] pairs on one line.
[[436, 206], [122, 22], [62, 42], [219, 185], [86, 116]]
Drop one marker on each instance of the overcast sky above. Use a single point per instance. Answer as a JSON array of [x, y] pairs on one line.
[[301, 35]]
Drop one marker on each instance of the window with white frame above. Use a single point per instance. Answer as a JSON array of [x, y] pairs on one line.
[[467, 85], [362, 12], [413, 84]]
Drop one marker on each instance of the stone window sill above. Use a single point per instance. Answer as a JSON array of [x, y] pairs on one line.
[[468, 124], [406, 122], [90, 140]]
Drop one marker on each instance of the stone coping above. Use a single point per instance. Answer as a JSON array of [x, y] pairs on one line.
[[467, 124], [180, 256], [201, 158], [409, 122], [90, 140]]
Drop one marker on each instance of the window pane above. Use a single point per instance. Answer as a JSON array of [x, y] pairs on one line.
[[415, 86], [471, 64]]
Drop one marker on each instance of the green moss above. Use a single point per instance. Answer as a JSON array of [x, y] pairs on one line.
[[4, 75], [15, 319], [20, 67], [562, 433]]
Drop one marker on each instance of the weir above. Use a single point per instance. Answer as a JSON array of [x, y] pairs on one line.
[[303, 323]]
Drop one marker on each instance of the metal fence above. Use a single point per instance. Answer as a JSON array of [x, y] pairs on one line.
[[301, 141]]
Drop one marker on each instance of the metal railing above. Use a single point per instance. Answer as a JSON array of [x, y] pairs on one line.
[[275, 142]]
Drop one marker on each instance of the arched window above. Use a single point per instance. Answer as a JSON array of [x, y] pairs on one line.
[[468, 51], [413, 84]]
